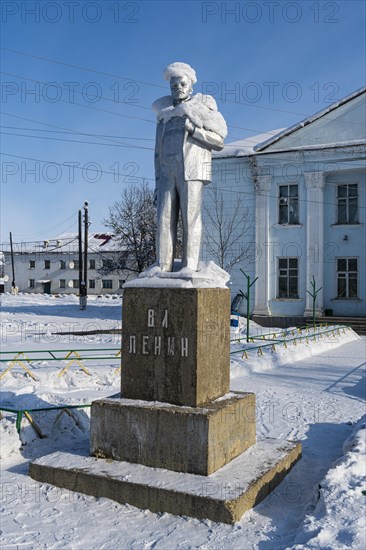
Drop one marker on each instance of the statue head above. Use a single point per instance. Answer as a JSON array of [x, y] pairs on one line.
[[181, 78]]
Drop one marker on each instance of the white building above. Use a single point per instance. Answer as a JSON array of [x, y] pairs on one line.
[[52, 267], [305, 190]]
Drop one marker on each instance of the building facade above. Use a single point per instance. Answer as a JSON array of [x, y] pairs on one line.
[[52, 267], [306, 192]]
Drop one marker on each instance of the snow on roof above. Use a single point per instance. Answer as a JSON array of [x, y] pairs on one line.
[[259, 142], [244, 147], [308, 120], [67, 243]]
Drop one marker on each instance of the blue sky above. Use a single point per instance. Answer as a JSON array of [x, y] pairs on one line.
[[71, 69]]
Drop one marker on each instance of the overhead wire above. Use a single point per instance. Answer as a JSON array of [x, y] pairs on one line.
[[99, 171], [17, 235], [145, 83], [129, 146], [252, 193], [122, 103], [70, 132]]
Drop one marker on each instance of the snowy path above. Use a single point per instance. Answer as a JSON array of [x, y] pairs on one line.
[[314, 400]]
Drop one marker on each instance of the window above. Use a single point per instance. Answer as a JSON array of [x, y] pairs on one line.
[[47, 264], [32, 283], [121, 282], [288, 278], [62, 264], [108, 264], [107, 283], [347, 201], [288, 210], [75, 283], [32, 264], [347, 278], [76, 264], [62, 283], [91, 283], [92, 264]]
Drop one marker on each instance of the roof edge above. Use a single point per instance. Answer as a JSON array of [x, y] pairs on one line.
[[308, 120]]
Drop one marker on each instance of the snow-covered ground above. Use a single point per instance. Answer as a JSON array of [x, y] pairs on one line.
[[313, 391]]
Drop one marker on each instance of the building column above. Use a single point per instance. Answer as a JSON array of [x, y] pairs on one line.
[[315, 182], [263, 187]]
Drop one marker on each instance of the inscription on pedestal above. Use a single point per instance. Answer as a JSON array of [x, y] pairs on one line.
[[175, 344], [155, 345]]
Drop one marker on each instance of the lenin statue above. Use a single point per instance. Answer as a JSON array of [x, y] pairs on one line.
[[188, 128]]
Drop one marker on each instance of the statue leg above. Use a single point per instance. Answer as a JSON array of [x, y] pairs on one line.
[[167, 214], [191, 209]]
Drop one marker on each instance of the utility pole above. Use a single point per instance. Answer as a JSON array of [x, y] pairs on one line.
[[12, 264], [86, 229], [80, 243]]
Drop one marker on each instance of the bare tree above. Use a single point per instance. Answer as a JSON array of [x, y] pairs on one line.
[[133, 222], [226, 230]]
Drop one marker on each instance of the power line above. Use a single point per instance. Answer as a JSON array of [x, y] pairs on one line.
[[76, 104], [119, 103], [99, 171], [251, 193], [50, 228], [81, 68], [48, 60], [107, 138], [78, 141], [71, 132], [76, 91]]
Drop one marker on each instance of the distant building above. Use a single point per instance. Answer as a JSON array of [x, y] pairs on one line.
[[52, 267], [305, 188]]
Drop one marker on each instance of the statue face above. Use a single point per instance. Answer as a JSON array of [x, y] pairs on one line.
[[181, 88]]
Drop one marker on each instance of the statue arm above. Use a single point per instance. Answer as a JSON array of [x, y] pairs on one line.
[[210, 139]]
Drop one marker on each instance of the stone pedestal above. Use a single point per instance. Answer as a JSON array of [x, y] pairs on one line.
[[176, 441], [223, 496], [176, 344], [183, 439]]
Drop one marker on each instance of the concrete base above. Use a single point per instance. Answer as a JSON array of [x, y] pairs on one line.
[[176, 344], [184, 439], [222, 497]]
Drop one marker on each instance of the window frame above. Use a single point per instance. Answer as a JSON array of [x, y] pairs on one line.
[[346, 198], [31, 283], [92, 286], [289, 198], [47, 263], [104, 281], [62, 264], [288, 277], [62, 281], [347, 277], [92, 264], [32, 264], [107, 263]]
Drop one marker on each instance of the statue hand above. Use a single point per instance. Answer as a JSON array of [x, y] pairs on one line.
[[190, 127]]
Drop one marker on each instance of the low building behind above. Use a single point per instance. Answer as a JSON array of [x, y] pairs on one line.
[[52, 266]]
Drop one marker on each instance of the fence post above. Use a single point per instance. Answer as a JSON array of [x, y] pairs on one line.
[[247, 297], [314, 294]]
